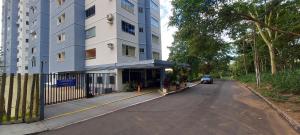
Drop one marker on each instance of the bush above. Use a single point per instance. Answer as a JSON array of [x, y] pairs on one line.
[[250, 78], [282, 82], [285, 82], [130, 87]]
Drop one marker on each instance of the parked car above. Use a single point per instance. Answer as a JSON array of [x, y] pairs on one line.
[[207, 79]]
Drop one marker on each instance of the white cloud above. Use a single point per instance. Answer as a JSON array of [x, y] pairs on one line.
[[166, 32]]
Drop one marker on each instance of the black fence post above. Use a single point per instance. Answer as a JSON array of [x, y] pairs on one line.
[[42, 96], [87, 86]]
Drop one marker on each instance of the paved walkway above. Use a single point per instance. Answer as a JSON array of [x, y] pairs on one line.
[[64, 114]]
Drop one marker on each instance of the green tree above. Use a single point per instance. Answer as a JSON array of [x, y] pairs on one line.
[[272, 19]]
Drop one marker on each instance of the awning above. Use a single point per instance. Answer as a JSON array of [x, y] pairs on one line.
[[146, 64]]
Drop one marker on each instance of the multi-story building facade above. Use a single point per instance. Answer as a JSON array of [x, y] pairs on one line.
[[104, 36], [118, 37], [67, 35], [38, 52], [10, 34], [23, 36]]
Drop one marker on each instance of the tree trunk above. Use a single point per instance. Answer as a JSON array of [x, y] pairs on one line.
[[256, 62], [244, 56], [271, 48], [272, 59]]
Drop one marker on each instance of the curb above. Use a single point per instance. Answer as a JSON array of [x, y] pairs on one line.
[[293, 123], [180, 90]]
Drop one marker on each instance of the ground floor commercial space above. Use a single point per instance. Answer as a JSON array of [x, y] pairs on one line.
[[103, 79], [146, 74]]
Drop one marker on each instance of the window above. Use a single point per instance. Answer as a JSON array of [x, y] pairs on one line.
[[26, 67], [26, 40], [61, 57], [61, 38], [33, 50], [90, 12], [156, 55], [111, 79], [90, 54], [141, 10], [154, 6], [154, 22], [142, 50], [99, 80], [32, 10], [155, 39], [90, 33], [27, 22], [128, 6], [141, 29], [34, 35], [33, 61], [60, 2], [91, 80], [61, 19], [128, 28], [128, 51]]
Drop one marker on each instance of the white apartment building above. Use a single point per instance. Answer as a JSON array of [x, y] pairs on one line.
[[23, 36], [119, 37]]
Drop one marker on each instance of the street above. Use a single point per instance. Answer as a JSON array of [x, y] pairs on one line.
[[223, 108]]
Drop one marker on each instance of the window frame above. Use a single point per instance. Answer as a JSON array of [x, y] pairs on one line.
[[93, 57], [89, 10], [127, 52], [128, 6], [128, 28], [91, 35]]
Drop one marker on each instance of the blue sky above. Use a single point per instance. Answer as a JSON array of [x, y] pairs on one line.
[[166, 32]]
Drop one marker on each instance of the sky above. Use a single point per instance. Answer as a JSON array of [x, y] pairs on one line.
[[166, 32], [0, 21]]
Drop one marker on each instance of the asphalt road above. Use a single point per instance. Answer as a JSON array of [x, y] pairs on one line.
[[223, 108]]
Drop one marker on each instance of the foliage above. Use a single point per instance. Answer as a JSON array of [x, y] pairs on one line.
[[275, 25], [195, 44], [283, 82], [270, 29], [130, 87]]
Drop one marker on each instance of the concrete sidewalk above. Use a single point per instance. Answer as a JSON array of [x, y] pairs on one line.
[[60, 115]]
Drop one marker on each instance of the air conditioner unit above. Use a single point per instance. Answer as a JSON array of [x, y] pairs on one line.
[[110, 45], [110, 18]]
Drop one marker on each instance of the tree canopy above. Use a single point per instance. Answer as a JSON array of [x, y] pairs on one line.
[[272, 25]]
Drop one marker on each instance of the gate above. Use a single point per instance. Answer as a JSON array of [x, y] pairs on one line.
[[73, 86]]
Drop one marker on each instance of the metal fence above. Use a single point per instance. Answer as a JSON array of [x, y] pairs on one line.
[[73, 86], [23, 97]]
